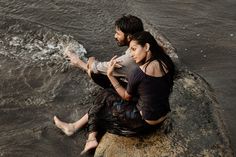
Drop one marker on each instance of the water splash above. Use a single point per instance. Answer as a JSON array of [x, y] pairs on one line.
[[41, 50]]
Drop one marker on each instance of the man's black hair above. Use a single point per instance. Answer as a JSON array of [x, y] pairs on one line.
[[129, 24]]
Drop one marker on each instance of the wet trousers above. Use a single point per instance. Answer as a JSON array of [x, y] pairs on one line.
[[112, 114]]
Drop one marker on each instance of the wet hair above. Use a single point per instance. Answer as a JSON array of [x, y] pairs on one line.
[[157, 52], [129, 24]]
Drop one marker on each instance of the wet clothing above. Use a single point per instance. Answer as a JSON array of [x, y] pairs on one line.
[[104, 82], [153, 91], [115, 115], [99, 71], [125, 60]]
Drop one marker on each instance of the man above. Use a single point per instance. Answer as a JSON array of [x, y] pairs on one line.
[[124, 28]]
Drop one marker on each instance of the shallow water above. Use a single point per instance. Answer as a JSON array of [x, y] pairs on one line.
[[90, 22], [37, 82]]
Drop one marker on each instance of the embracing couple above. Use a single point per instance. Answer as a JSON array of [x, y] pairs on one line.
[[136, 86]]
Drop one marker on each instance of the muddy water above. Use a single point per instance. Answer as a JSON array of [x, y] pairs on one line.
[[90, 22], [203, 32], [36, 82]]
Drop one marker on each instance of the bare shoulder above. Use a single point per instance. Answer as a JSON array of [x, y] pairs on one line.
[[153, 69]]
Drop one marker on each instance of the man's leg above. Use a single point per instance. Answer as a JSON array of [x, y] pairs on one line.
[[101, 80], [104, 82]]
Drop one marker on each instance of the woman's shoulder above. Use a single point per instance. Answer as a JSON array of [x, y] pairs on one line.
[[154, 69]]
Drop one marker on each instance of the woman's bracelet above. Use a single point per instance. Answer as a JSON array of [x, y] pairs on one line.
[[117, 85]]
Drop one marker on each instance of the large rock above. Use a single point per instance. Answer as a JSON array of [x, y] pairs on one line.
[[197, 128], [37, 83]]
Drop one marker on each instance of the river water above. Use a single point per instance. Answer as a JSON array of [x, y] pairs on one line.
[[37, 82]]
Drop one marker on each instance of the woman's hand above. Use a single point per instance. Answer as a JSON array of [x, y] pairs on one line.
[[111, 66]]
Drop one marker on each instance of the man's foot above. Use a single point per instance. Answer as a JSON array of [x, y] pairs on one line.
[[90, 144], [67, 128]]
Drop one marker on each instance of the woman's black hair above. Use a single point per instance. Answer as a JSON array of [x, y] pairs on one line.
[[129, 24], [157, 52]]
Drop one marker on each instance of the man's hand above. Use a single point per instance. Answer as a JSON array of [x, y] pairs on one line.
[[90, 62], [75, 59], [89, 65], [72, 57]]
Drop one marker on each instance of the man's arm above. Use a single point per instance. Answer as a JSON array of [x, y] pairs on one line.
[[75, 60], [123, 62]]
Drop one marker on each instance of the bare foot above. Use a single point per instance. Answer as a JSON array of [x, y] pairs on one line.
[[90, 144], [67, 128]]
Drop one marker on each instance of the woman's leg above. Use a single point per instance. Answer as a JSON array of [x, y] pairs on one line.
[[91, 142], [70, 128], [94, 116]]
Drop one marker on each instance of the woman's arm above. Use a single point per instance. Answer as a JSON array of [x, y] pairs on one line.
[[120, 90]]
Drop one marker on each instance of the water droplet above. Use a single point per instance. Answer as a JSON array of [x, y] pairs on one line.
[[198, 34], [231, 34], [201, 51], [204, 56], [186, 49]]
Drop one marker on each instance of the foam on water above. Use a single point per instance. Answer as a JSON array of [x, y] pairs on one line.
[[48, 47]]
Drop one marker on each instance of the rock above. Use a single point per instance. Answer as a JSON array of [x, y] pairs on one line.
[[197, 128]]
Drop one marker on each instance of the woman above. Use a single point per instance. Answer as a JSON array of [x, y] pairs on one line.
[[141, 107]]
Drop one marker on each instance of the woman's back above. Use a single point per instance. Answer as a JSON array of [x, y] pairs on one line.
[[153, 88]]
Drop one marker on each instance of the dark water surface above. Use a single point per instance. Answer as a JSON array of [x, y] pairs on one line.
[[204, 34], [36, 81]]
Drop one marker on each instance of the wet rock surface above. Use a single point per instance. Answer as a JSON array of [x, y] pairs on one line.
[[197, 130]]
